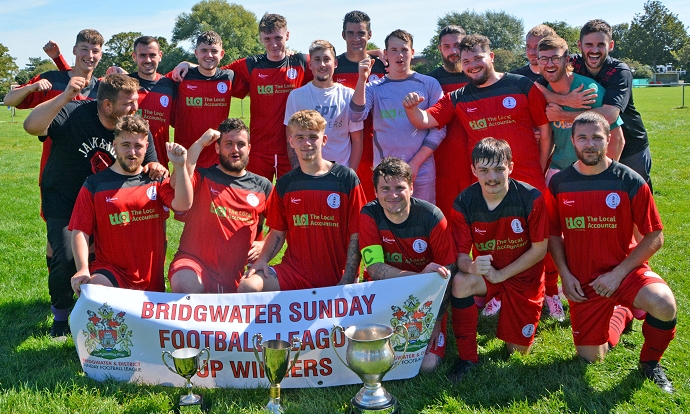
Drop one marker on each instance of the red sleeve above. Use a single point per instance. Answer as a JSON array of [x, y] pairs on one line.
[[462, 233], [61, 63], [83, 216], [357, 201], [442, 245], [368, 232], [443, 111], [552, 210], [275, 218], [537, 107], [538, 221], [34, 98], [166, 192], [240, 83], [645, 213]]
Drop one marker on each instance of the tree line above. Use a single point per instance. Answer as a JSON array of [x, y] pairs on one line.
[[654, 37]]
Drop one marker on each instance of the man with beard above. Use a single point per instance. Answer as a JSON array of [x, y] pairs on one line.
[[357, 33], [124, 210], [452, 158], [315, 208], [221, 228], [534, 36], [493, 104], [332, 100], [394, 136], [594, 204], [82, 135], [595, 43]]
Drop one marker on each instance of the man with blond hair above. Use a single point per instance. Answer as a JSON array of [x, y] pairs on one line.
[[531, 69]]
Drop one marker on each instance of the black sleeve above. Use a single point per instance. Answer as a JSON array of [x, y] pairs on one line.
[[619, 89], [151, 152]]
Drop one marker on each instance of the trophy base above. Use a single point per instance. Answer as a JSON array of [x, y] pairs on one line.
[[187, 406], [389, 408]]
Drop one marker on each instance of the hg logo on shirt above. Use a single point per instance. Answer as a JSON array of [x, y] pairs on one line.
[[191, 101], [119, 218], [300, 220], [479, 124], [265, 89], [486, 246], [574, 223]]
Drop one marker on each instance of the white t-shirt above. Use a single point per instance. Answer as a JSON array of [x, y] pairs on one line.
[[334, 105]]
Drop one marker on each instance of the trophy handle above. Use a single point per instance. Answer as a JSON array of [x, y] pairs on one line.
[[208, 357], [256, 353], [166, 362], [296, 343], [338, 328], [407, 342]]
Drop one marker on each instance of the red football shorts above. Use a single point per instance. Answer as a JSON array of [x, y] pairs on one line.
[[213, 282]]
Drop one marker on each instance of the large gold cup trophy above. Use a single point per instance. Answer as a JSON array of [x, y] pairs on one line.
[[276, 363], [187, 363], [369, 354]]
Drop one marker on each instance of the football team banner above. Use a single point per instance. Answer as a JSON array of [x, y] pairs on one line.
[[122, 333]]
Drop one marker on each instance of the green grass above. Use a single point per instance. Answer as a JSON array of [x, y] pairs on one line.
[[39, 375]]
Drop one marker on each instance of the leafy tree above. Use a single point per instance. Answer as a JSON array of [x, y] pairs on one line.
[[7, 70], [640, 71], [654, 34], [570, 34], [506, 60], [682, 55], [371, 46], [35, 66], [172, 55], [118, 52], [621, 47], [504, 30], [236, 25]]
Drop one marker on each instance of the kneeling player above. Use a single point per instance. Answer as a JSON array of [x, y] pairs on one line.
[[399, 225], [503, 223], [594, 206], [125, 211]]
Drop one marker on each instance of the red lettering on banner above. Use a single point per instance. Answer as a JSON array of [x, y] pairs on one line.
[[309, 367], [218, 313], [220, 340], [369, 302], [207, 340], [162, 309], [340, 307], [248, 313], [185, 313], [326, 368], [307, 340], [192, 339], [325, 309], [198, 315], [147, 310], [235, 342], [356, 306], [236, 316], [296, 315], [177, 339], [260, 312], [174, 311], [163, 336], [322, 338], [273, 313]]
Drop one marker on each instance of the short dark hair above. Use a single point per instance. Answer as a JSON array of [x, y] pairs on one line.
[[452, 29], [594, 26], [400, 34], [144, 40], [134, 124], [590, 118], [356, 16], [233, 124], [110, 87], [475, 41], [210, 38], [269, 23], [493, 150], [392, 167], [90, 36]]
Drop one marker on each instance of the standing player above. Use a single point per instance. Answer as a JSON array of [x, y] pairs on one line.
[[357, 33], [157, 93], [532, 69], [315, 208], [124, 210], [595, 43], [324, 95], [503, 223], [221, 227], [399, 225], [393, 134], [594, 206], [203, 96], [452, 158], [82, 135]]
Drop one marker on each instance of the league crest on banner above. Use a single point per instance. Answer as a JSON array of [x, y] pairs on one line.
[[107, 334], [419, 321]]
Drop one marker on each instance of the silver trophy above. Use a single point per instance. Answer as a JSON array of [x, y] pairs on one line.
[[276, 363], [188, 362], [369, 354]]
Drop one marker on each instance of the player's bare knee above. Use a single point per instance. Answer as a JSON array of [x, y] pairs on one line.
[[186, 281], [251, 284], [463, 285], [664, 307], [430, 363]]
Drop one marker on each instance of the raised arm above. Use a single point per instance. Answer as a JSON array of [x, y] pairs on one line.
[[39, 119]]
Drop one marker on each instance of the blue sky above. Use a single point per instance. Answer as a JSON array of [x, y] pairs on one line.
[[28, 24]]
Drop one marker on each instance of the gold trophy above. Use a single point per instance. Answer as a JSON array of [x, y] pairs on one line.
[[187, 362], [369, 354], [276, 363]]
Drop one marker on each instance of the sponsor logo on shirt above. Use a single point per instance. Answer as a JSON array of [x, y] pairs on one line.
[[192, 87], [341, 80], [516, 226], [470, 110], [295, 200], [573, 223], [419, 246], [486, 246], [292, 73], [253, 200], [263, 75], [509, 102], [568, 203], [222, 87], [479, 231], [231, 213], [214, 191], [613, 200], [119, 218], [194, 101], [110, 200], [315, 220], [165, 101], [387, 240], [478, 124], [265, 89], [393, 257], [126, 217], [333, 200], [300, 220]]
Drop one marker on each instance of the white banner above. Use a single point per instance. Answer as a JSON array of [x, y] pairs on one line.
[[122, 333]]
